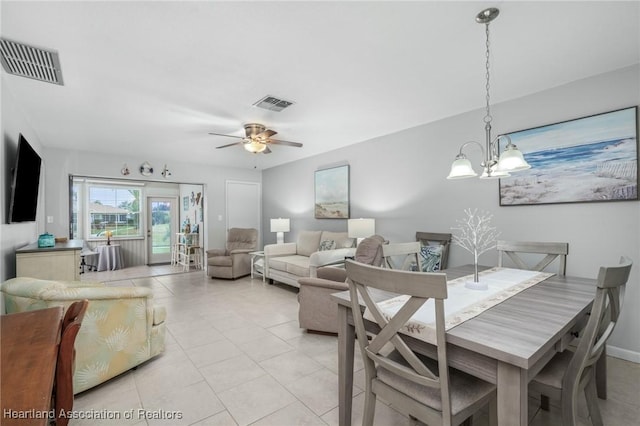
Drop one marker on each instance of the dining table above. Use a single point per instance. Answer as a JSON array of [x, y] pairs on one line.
[[29, 350], [506, 344]]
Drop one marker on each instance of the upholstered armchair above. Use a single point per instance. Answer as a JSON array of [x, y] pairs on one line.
[[317, 311], [234, 260], [120, 330]]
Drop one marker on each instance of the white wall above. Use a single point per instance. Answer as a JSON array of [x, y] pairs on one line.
[[13, 236], [399, 179], [61, 163]]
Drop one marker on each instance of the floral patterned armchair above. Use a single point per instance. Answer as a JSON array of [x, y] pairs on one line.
[[120, 330]]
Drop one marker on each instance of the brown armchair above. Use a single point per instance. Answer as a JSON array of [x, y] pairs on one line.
[[233, 261], [317, 312]]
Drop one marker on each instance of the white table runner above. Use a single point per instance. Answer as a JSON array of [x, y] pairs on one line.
[[462, 303]]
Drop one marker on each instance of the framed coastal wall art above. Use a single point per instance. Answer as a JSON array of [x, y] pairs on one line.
[[587, 159], [332, 193]]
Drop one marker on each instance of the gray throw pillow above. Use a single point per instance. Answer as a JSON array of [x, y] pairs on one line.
[[369, 251]]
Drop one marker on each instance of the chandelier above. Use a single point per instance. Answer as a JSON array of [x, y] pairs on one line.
[[493, 165]]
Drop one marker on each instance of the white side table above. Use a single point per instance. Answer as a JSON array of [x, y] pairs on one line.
[[257, 263]]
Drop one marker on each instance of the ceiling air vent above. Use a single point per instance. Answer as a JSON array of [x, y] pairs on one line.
[[31, 62], [272, 103]]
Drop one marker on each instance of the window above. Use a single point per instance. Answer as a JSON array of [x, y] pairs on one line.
[[98, 207]]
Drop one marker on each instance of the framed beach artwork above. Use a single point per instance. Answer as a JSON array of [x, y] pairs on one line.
[[593, 158], [332, 193]]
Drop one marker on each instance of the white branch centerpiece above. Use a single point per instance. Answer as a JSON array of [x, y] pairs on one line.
[[477, 236]]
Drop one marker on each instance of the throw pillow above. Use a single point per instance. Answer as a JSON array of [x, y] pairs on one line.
[[431, 257], [327, 245]]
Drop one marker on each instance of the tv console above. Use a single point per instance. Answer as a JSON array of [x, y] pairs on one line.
[[61, 262]]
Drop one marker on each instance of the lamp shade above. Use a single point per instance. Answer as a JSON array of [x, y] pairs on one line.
[[280, 225], [495, 173], [512, 160], [461, 168], [361, 228]]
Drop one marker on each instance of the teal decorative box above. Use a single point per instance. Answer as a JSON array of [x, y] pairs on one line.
[[46, 240]]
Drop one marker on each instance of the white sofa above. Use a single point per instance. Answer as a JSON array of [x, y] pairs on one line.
[[288, 262]]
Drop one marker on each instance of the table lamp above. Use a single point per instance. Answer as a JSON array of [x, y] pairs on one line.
[[361, 229], [280, 226]]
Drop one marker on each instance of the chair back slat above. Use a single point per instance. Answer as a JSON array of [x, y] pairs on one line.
[[63, 395], [551, 250], [364, 281], [409, 253], [602, 320]]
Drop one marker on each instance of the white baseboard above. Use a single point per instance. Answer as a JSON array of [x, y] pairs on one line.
[[625, 354]]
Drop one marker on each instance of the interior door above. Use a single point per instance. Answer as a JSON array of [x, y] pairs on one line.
[[244, 205], [162, 225]]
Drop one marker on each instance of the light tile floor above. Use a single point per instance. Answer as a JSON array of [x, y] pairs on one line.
[[235, 356]]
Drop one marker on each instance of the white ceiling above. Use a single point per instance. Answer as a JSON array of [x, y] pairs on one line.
[[151, 79]]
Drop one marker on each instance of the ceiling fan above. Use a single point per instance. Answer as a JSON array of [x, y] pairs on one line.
[[257, 139]]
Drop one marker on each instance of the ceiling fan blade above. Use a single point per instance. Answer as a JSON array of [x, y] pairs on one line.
[[279, 142], [229, 136], [229, 144], [267, 151], [266, 134]]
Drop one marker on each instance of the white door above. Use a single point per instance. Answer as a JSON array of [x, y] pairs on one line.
[[162, 225], [244, 200]]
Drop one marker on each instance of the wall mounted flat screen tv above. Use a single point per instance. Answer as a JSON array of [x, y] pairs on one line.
[[25, 184]]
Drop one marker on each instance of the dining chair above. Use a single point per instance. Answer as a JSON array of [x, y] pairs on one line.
[[435, 250], [569, 373], [409, 254], [63, 394], [427, 390], [552, 251]]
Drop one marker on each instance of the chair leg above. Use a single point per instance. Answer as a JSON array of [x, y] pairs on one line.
[[493, 412], [591, 393], [569, 407], [369, 407]]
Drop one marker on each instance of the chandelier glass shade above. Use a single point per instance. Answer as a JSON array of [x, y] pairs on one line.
[[494, 165]]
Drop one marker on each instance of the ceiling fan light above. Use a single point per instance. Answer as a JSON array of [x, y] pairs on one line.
[[255, 147], [512, 160]]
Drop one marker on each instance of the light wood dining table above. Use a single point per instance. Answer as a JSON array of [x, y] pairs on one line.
[[506, 345]]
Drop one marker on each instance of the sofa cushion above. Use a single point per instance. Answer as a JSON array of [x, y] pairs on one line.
[[308, 242], [296, 265], [220, 261], [299, 266], [341, 239], [242, 238], [279, 263]]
